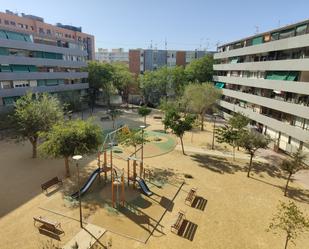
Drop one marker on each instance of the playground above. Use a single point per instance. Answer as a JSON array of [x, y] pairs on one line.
[[197, 201]]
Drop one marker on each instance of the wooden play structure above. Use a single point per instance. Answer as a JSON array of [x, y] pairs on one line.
[[191, 196]]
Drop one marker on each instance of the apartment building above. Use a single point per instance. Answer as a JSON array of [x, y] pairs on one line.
[[141, 60], [113, 55], [266, 77], [56, 35], [31, 62]]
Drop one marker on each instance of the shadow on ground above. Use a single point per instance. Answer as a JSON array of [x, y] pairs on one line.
[[216, 164], [187, 230]]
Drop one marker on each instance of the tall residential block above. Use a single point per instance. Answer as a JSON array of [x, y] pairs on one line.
[[266, 77], [39, 57]]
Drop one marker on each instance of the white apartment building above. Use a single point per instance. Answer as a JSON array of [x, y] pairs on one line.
[[266, 77], [114, 55]]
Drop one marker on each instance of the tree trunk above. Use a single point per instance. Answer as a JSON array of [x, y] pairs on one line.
[[113, 123], [250, 164], [67, 166], [286, 241], [34, 143], [202, 121], [183, 150], [233, 153], [287, 184], [145, 120], [135, 150]]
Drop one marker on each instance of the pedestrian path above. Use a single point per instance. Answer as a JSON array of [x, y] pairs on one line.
[[219, 153], [85, 238]]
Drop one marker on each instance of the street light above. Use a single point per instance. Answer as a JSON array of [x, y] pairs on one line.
[[213, 131], [142, 157], [76, 158]]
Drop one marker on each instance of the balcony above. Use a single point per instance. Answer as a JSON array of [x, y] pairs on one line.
[[40, 89], [42, 75], [20, 60], [293, 131], [41, 47], [278, 85], [284, 44], [275, 65], [291, 108]]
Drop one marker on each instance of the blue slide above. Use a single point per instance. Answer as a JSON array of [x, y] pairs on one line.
[[88, 184], [143, 186]]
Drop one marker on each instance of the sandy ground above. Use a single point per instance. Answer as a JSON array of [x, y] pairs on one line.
[[237, 210]]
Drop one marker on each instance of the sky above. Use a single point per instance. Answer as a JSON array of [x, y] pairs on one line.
[[171, 24]]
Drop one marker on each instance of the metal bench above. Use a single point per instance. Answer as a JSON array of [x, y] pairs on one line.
[[191, 196], [177, 224], [45, 186], [47, 225]]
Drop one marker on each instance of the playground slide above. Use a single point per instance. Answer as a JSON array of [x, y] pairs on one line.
[[88, 183], [143, 186]]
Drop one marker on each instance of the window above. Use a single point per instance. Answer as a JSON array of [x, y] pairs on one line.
[[48, 31], [13, 23], [301, 30], [6, 22], [275, 36], [41, 31], [32, 28], [20, 25], [286, 33]]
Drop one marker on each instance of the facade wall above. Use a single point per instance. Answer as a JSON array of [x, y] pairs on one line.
[[266, 77], [45, 31], [134, 61], [181, 58]]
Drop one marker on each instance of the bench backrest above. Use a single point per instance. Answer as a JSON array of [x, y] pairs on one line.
[[45, 221], [50, 182]]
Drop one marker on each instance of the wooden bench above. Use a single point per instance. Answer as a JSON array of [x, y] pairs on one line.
[[51, 183], [106, 117], [191, 196], [48, 225], [157, 117], [177, 224]]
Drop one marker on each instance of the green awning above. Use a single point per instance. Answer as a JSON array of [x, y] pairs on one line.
[[292, 76], [52, 82], [33, 68], [234, 60], [219, 85], [41, 82], [27, 38], [277, 75], [2, 34], [5, 68], [257, 40], [20, 68], [4, 51], [15, 36]]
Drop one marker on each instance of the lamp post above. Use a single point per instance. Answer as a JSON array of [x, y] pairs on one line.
[[213, 131], [142, 127], [76, 158]]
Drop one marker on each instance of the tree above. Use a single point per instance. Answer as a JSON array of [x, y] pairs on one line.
[[293, 165], [144, 112], [200, 98], [34, 115], [200, 70], [132, 138], [178, 124], [239, 121], [291, 220], [251, 141], [227, 134], [123, 80], [69, 138], [163, 83], [114, 114], [100, 77]]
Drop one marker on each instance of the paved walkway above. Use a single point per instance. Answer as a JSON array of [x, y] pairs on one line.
[[219, 153], [84, 239]]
